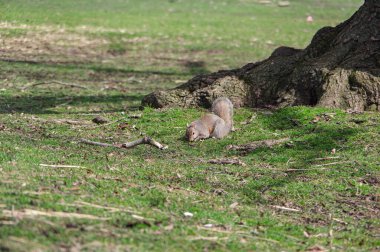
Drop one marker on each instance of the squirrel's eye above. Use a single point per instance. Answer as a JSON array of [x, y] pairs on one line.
[[193, 133]]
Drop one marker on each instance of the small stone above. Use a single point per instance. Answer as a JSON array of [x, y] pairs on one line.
[[264, 1], [283, 3], [309, 19], [188, 214], [234, 205], [99, 120]]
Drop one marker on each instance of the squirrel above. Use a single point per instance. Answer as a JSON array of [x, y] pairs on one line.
[[216, 125]]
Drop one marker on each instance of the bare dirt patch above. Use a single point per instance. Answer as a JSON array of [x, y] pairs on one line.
[[50, 44]]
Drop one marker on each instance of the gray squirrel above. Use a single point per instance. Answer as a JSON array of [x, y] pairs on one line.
[[216, 124]]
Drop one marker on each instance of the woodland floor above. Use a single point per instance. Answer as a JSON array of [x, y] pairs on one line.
[[319, 191]]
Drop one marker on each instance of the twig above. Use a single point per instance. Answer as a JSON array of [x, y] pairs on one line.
[[61, 166], [257, 144], [306, 169], [286, 209], [327, 158], [250, 120], [109, 123], [53, 82], [333, 163], [135, 116], [234, 161], [112, 209], [32, 213], [303, 169], [213, 238], [128, 145], [340, 221], [61, 121], [245, 234], [131, 116], [98, 143]]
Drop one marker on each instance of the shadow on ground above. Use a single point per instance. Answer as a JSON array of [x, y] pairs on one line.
[[41, 104], [192, 67]]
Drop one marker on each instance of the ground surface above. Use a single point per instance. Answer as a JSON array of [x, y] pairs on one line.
[[320, 190]]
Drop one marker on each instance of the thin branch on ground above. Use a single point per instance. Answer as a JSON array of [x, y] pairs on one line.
[[128, 145], [106, 124], [111, 209], [32, 213], [250, 120], [206, 238], [53, 82], [286, 209], [339, 221], [233, 161], [333, 163], [61, 121], [131, 116], [257, 144], [327, 158], [321, 168], [61, 166]]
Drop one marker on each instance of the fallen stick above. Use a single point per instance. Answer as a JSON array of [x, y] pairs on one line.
[[286, 209], [327, 158], [257, 144], [61, 121], [112, 209], [302, 169], [53, 82], [234, 161], [250, 120], [333, 163], [204, 238], [61, 166], [128, 145], [340, 221], [32, 213]]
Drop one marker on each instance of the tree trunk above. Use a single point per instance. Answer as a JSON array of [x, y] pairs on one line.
[[340, 69]]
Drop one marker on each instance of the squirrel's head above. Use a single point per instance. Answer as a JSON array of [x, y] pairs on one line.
[[191, 133]]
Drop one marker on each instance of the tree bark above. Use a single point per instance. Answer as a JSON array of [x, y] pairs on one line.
[[340, 69]]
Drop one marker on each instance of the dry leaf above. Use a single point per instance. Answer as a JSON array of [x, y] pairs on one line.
[[234, 205], [169, 227], [123, 126], [316, 119], [316, 248], [188, 214]]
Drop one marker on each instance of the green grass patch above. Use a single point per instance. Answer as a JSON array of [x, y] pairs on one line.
[[320, 189]]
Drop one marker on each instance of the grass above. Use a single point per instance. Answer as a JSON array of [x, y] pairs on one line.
[[122, 50]]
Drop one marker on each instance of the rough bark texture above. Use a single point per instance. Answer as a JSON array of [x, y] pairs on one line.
[[340, 68]]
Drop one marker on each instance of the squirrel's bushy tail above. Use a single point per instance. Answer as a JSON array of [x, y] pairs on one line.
[[224, 108]]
